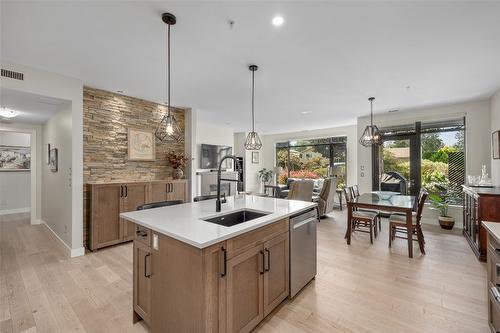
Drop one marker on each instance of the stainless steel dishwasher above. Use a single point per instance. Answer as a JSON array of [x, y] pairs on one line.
[[302, 249]]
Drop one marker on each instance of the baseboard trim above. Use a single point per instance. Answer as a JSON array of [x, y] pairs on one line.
[[15, 211], [72, 253]]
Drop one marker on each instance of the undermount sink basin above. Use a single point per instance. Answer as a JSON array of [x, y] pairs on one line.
[[234, 218]]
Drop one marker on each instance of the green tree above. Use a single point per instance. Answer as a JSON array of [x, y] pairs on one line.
[[399, 144], [431, 143], [460, 137]]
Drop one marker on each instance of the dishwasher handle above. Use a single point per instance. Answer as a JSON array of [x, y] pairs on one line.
[[301, 223]]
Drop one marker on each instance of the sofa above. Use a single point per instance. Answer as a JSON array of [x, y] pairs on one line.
[[285, 189], [327, 195]]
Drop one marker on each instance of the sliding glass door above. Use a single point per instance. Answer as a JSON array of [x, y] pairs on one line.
[[429, 155]]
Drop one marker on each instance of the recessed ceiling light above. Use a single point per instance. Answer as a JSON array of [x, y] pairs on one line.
[[306, 112], [278, 20], [8, 113]]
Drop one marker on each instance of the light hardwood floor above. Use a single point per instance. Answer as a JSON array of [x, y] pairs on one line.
[[359, 288]]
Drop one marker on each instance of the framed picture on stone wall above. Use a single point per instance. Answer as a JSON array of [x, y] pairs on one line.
[[141, 145], [495, 145]]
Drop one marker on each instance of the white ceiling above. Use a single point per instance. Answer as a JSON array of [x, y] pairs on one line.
[[33, 109], [327, 58]]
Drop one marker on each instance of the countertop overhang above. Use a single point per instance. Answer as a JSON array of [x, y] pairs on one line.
[[184, 222]]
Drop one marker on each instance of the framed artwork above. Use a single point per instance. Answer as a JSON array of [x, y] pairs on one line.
[[15, 158], [495, 145], [141, 145], [53, 160], [255, 157]]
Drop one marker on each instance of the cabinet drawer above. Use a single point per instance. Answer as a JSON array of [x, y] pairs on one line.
[[246, 241], [493, 309], [143, 235]]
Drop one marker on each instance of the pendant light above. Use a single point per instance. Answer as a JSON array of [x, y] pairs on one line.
[[168, 130], [253, 141], [371, 136]]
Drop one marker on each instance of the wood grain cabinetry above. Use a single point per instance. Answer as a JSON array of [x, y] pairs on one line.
[[227, 287], [142, 282], [108, 200], [493, 282], [480, 204]]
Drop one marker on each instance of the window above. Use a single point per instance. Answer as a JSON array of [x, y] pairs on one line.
[[429, 155], [312, 159]]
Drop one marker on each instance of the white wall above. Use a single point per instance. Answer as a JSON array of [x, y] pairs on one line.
[[56, 186], [495, 126], [53, 85], [207, 134], [15, 187], [269, 146], [477, 122]]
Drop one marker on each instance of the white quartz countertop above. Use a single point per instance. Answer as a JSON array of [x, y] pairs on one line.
[[184, 222], [494, 229]]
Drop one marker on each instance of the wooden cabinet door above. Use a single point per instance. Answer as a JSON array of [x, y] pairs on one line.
[[244, 290], [276, 275], [105, 220], [177, 191], [158, 191], [142, 281], [134, 195]]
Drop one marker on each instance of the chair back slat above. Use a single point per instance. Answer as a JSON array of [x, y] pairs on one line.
[[348, 193], [422, 196], [159, 204], [355, 191]]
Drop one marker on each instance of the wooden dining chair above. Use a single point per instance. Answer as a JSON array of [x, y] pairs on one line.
[[397, 224], [363, 221], [355, 194]]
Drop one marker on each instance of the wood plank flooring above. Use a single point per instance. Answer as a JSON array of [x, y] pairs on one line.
[[359, 288]]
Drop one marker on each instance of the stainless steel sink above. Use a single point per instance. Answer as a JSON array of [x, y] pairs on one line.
[[237, 217]]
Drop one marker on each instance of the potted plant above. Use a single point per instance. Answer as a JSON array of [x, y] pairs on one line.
[[441, 203], [265, 176], [177, 161]]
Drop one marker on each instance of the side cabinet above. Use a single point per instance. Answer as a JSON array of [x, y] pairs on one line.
[[108, 200], [135, 194], [480, 204], [105, 215], [276, 277], [142, 280]]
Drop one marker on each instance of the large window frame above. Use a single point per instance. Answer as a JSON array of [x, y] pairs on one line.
[[414, 132], [334, 144]]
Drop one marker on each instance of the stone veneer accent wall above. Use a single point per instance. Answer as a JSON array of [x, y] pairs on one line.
[[106, 119]]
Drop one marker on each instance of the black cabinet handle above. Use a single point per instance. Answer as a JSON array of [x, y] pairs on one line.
[[263, 263], [224, 271], [126, 191], [146, 265], [268, 260], [166, 188], [121, 191]]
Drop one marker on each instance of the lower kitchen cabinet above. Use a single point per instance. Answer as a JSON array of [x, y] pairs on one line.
[[228, 287], [142, 282], [245, 290], [276, 277]]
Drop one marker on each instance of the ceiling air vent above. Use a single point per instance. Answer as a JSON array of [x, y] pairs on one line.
[[12, 74]]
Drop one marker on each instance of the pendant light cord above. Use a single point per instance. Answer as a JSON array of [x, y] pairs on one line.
[[253, 101], [371, 112], [168, 68]]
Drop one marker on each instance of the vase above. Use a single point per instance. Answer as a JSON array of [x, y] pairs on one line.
[[177, 173], [446, 222]]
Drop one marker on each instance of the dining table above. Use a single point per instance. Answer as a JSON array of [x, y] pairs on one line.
[[391, 202]]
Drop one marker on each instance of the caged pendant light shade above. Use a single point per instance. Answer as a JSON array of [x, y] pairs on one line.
[[168, 129], [253, 141], [371, 136]]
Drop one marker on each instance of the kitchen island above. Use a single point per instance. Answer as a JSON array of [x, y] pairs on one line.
[[221, 275]]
